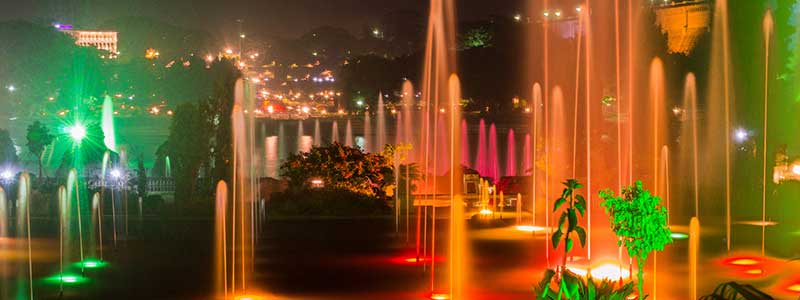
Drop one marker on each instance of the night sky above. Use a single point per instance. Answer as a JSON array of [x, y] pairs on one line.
[[282, 18]]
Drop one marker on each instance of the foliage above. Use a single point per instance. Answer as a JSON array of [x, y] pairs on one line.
[[8, 153], [574, 287], [477, 37], [38, 137], [640, 221], [141, 177], [408, 173], [340, 167], [577, 204], [188, 146], [217, 110]]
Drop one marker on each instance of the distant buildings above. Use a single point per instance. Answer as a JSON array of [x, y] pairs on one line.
[[102, 40]]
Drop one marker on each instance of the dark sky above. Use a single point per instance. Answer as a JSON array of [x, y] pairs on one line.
[[285, 18]]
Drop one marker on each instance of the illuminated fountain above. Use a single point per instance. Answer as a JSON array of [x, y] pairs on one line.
[[367, 146], [511, 154], [335, 132], [348, 134], [380, 135]]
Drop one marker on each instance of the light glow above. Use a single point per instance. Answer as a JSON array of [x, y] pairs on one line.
[[77, 132], [528, 228]]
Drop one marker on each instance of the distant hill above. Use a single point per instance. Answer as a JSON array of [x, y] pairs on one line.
[[136, 34]]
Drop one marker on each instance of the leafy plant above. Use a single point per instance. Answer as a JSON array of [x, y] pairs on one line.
[[574, 287], [38, 137], [577, 204], [640, 222]]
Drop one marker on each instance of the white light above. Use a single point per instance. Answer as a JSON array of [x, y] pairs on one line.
[[546, 14], [77, 132], [796, 169], [11, 88], [517, 17], [116, 173], [578, 8], [305, 109], [558, 13], [6, 175], [741, 135], [270, 109]]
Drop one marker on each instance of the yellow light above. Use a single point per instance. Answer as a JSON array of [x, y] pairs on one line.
[[754, 272], [440, 297], [794, 288], [528, 228], [744, 262], [485, 211]]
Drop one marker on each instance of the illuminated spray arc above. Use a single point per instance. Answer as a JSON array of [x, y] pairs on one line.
[[767, 27]]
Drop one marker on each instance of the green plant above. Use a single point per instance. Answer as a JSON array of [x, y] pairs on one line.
[[574, 287], [38, 137], [640, 222], [577, 204]]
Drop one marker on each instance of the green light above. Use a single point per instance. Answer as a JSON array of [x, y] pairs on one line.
[[67, 279], [77, 132], [91, 264], [679, 236]]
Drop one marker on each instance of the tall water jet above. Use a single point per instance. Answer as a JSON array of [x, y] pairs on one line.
[[658, 119], [408, 117], [536, 95], [694, 249], [481, 164], [511, 154], [96, 233], [272, 164], [767, 27], [63, 212], [348, 134], [720, 97], [107, 123], [458, 245], [243, 190], [493, 164], [73, 188], [167, 167], [24, 224], [335, 132], [367, 132], [317, 134], [221, 242], [690, 106], [300, 136], [439, 64], [281, 143], [4, 216], [380, 135], [443, 155]]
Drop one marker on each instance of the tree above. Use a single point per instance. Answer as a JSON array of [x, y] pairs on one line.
[[340, 167], [8, 153], [577, 204], [38, 138], [188, 146], [141, 177], [640, 222]]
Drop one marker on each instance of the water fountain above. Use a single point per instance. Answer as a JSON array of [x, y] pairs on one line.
[[767, 27], [24, 227], [481, 158], [109, 135], [511, 154], [348, 134], [380, 135], [317, 134], [493, 165], [368, 132], [335, 132]]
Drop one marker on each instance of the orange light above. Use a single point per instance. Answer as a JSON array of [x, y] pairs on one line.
[[754, 272], [744, 262], [440, 297], [485, 212], [794, 288], [528, 228]]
